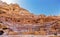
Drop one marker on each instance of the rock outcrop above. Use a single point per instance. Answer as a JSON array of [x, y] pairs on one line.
[[15, 20]]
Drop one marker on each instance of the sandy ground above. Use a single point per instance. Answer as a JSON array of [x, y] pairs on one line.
[[30, 36]]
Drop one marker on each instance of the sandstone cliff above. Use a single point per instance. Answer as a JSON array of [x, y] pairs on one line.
[[18, 20]]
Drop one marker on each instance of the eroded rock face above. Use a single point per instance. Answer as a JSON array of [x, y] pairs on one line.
[[17, 20]]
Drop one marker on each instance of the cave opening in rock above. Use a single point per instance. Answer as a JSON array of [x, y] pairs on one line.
[[1, 12], [1, 32]]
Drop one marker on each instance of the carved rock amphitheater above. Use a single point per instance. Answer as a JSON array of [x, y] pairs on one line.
[[15, 20]]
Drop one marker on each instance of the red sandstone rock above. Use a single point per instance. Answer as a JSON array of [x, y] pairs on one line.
[[21, 21]]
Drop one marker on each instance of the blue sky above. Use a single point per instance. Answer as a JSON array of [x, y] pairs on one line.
[[47, 7]]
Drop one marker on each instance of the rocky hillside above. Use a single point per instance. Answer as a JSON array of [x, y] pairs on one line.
[[16, 20]]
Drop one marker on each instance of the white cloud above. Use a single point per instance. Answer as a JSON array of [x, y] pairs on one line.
[[9, 1]]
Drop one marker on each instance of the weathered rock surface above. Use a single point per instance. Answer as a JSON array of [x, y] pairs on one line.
[[20, 21]]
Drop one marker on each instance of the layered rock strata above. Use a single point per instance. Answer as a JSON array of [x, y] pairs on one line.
[[15, 20]]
